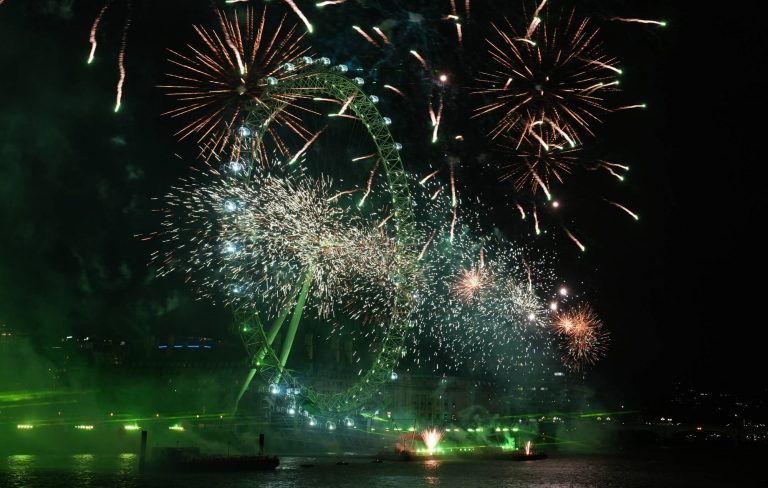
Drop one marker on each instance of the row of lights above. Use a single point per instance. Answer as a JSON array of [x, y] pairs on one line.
[[129, 427]]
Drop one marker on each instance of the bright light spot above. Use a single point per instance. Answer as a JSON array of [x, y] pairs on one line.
[[564, 291], [230, 247], [553, 306], [443, 78], [555, 204]]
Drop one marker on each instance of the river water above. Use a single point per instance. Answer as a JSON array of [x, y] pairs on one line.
[[653, 470]]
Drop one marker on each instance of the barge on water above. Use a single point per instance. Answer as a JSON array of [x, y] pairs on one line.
[[190, 459]]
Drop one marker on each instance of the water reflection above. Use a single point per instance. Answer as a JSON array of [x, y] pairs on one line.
[[127, 463], [82, 469], [21, 469], [432, 465]]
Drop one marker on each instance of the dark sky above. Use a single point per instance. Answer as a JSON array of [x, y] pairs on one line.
[[680, 290]]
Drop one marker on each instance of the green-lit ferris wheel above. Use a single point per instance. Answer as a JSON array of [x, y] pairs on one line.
[[305, 78]]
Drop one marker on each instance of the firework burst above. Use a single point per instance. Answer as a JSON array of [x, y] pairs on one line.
[[536, 166], [254, 243], [582, 336], [471, 283], [553, 75], [478, 301], [221, 81], [431, 438]]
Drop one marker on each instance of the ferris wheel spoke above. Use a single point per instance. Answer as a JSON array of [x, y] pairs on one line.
[[295, 319]]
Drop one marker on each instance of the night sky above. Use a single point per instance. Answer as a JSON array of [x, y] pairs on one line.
[[680, 291]]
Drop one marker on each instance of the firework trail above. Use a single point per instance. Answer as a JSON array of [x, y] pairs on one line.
[[660, 23], [420, 59], [121, 61], [575, 241], [383, 36], [390, 87], [301, 15], [522, 212], [365, 36], [630, 107], [329, 2], [94, 29], [625, 209], [610, 168], [436, 118]]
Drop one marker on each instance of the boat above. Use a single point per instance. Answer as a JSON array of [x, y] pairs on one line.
[[191, 459], [532, 456], [527, 454]]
